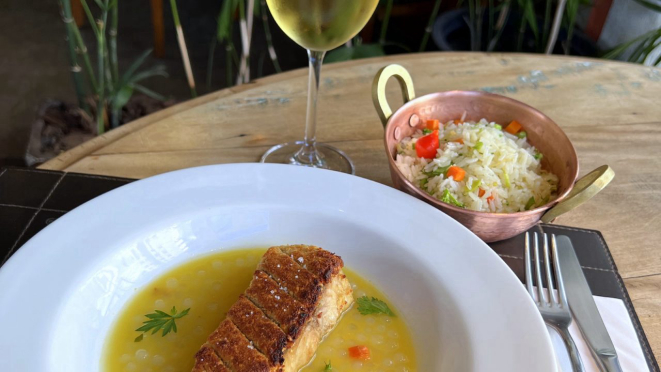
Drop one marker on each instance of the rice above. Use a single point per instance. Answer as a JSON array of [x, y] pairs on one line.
[[503, 168]]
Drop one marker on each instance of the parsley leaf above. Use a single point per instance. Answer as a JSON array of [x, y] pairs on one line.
[[438, 171], [160, 320], [450, 199], [426, 131], [368, 306], [329, 366]]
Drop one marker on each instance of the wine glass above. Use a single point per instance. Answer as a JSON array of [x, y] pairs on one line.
[[318, 26]]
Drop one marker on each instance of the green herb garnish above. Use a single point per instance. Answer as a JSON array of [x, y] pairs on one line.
[[530, 203], [538, 155], [522, 134], [426, 131], [478, 146], [475, 185], [329, 366], [450, 199], [160, 320], [498, 126], [438, 171], [506, 179], [413, 146], [368, 306]]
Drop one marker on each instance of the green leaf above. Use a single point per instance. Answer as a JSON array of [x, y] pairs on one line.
[[624, 46], [139, 338], [328, 366], [345, 53], [122, 97], [368, 306], [148, 92], [160, 320], [142, 75], [225, 19], [438, 171], [531, 18], [134, 67], [651, 4]]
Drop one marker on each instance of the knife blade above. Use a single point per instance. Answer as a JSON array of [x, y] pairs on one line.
[[584, 309]]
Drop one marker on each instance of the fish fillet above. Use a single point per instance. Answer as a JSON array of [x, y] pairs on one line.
[[297, 295]]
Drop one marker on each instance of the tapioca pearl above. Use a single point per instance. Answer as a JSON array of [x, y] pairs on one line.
[[394, 345], [159, 304], [188, 302], [240, 262], [353, 326], [381, 328], [338, 341], [344, 353], [357, 365], [217, 265], [377, 339], [141, 355], [130, 367], [212, 307], [157, 360], [172, 283], [388, 320], [125, 358], [370, 320], [393, 334], [201, 273], [361, 337], [399, 357], [387, 363], [216, 286]]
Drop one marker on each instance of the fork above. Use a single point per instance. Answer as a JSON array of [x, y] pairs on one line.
[[554, 307]]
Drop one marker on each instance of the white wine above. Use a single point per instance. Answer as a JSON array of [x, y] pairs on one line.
[[321, 25]]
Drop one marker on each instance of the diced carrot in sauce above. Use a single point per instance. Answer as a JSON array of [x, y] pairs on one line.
[[481, 192], [490, 198], [513, 128], [456, 172], [460, 140], [433, 124], [360, 352]]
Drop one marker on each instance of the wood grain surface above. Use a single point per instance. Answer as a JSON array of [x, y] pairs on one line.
[[611, 111]]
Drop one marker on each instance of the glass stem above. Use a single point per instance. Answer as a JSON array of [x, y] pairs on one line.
[[308, 153]]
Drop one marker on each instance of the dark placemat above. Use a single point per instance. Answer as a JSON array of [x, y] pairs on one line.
[[31, 199]]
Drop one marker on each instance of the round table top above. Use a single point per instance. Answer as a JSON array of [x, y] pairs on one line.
[[611, 111]]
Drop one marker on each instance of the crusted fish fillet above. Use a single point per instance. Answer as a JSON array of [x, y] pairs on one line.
[[297, 295]]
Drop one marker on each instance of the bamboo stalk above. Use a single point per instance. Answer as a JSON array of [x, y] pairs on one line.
[[101, 47], [430, 23], [500, 25], [478, 24], [267, 34], [67, 18], [555, 29], [246, 36], [547, 22], [112, 32], [183, 49], [384, 24]]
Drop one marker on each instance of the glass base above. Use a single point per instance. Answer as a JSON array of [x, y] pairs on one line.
[[327, 157]]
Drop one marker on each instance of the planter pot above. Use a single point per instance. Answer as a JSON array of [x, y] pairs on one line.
[[451, 33]]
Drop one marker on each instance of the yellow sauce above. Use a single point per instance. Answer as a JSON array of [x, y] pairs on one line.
[[209, 286]]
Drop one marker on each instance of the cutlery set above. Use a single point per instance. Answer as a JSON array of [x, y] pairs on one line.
[[556, 261]]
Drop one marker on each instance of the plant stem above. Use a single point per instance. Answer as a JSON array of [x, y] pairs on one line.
[[471, 17], [101, 47], [555, 29], [183, 49], [491, 20], [500, 25], [547, 22], [522, 31], [267, 34], [430, 23], [212, 51], [478, 24], [246, 38], [67, 18], [386, 20], [112, 42]]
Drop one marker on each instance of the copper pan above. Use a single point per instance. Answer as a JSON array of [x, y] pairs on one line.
[[559, 153]]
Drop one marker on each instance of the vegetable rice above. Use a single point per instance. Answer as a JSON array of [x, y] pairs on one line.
[[478, 166]]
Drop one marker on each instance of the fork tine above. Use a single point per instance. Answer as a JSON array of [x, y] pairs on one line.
[[538, 274], [547, 266], [558, 272], [528, 266]]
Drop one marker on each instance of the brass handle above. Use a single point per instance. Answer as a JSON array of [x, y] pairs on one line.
[[379, 89], [583, 190]]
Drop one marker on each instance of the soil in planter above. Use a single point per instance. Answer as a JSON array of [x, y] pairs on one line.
[[62, 126]]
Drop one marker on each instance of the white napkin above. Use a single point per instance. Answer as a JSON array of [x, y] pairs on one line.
[[619, 326]]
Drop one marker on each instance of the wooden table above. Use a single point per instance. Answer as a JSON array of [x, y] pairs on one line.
[[611, 111]]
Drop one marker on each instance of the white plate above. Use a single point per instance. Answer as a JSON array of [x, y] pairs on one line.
[[60, 293]]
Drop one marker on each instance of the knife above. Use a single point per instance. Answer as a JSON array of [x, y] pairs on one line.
[[584, 309]]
